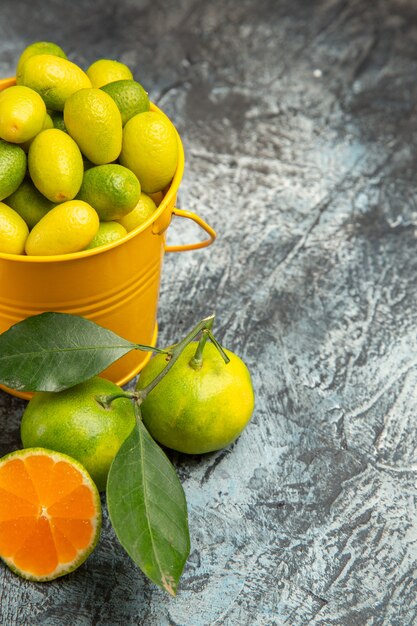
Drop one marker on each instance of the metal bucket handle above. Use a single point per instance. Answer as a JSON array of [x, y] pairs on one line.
[[193, 246]]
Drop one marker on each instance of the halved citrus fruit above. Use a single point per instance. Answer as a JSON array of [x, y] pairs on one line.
[[50, 513]]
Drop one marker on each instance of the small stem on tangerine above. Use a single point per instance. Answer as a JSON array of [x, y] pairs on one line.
[[175, 353], [106, 401], [144, 348], [219, 347], [138, 412], [172, 355], [197, 361]]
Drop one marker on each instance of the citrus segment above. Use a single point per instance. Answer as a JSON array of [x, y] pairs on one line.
[[78, 501], [37, 554], [76, 531], [21, 479], [13, 533], [65, 549], [50, 513], [44, 471], [11, 505]]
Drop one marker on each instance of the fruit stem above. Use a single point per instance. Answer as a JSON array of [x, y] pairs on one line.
[[105, 401], [140, 346], [197, 361], [138, 412], [175, 353], [219, 347]]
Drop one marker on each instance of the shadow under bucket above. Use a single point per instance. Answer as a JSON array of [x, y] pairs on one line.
[[116, 286]]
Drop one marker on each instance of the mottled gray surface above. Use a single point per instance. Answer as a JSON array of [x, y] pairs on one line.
[[299, 125]]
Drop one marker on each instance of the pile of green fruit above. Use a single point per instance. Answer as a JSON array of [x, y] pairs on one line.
[[83, 157]]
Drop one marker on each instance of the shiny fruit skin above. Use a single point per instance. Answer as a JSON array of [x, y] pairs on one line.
[[108, 232], [197, 410], [69, 227], [22, 114], [150, 150], [143, 210], [13, 231], [74, 423], [54, 78], [105, 71], [92, 118], [13, 163], [56, 165], [29, 203], [130, 97], [38, 47], [113, 190]]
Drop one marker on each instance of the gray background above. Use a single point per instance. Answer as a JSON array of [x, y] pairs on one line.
[[299, 123]]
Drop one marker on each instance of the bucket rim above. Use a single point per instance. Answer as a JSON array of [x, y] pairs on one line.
[[168, 199]]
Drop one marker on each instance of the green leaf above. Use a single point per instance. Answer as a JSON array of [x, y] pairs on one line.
[[148, 510], [54, 351]]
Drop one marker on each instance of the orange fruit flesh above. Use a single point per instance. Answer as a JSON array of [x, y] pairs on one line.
[[48, 514]]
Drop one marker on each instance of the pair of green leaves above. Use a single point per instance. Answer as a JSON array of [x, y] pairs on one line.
[[146, 502]]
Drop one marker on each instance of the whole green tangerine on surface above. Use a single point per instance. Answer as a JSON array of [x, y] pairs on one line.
[[197, 408], [75, 423]]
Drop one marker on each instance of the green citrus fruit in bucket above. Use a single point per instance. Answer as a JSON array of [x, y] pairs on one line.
[[55, 165], [68, 227], [108, 232], [13, 231], [54, 78], [22, 114], [130, 97], [12, 168], [38, 47], [150, 150], [112, 190], [197, 407], [143, 210], [29, 203], [92, 118], [75, 423], [105, 71]]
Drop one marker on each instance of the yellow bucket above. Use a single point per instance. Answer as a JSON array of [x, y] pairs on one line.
[[116, 286]]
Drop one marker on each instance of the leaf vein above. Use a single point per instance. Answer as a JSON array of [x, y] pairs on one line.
[[146, 507]]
